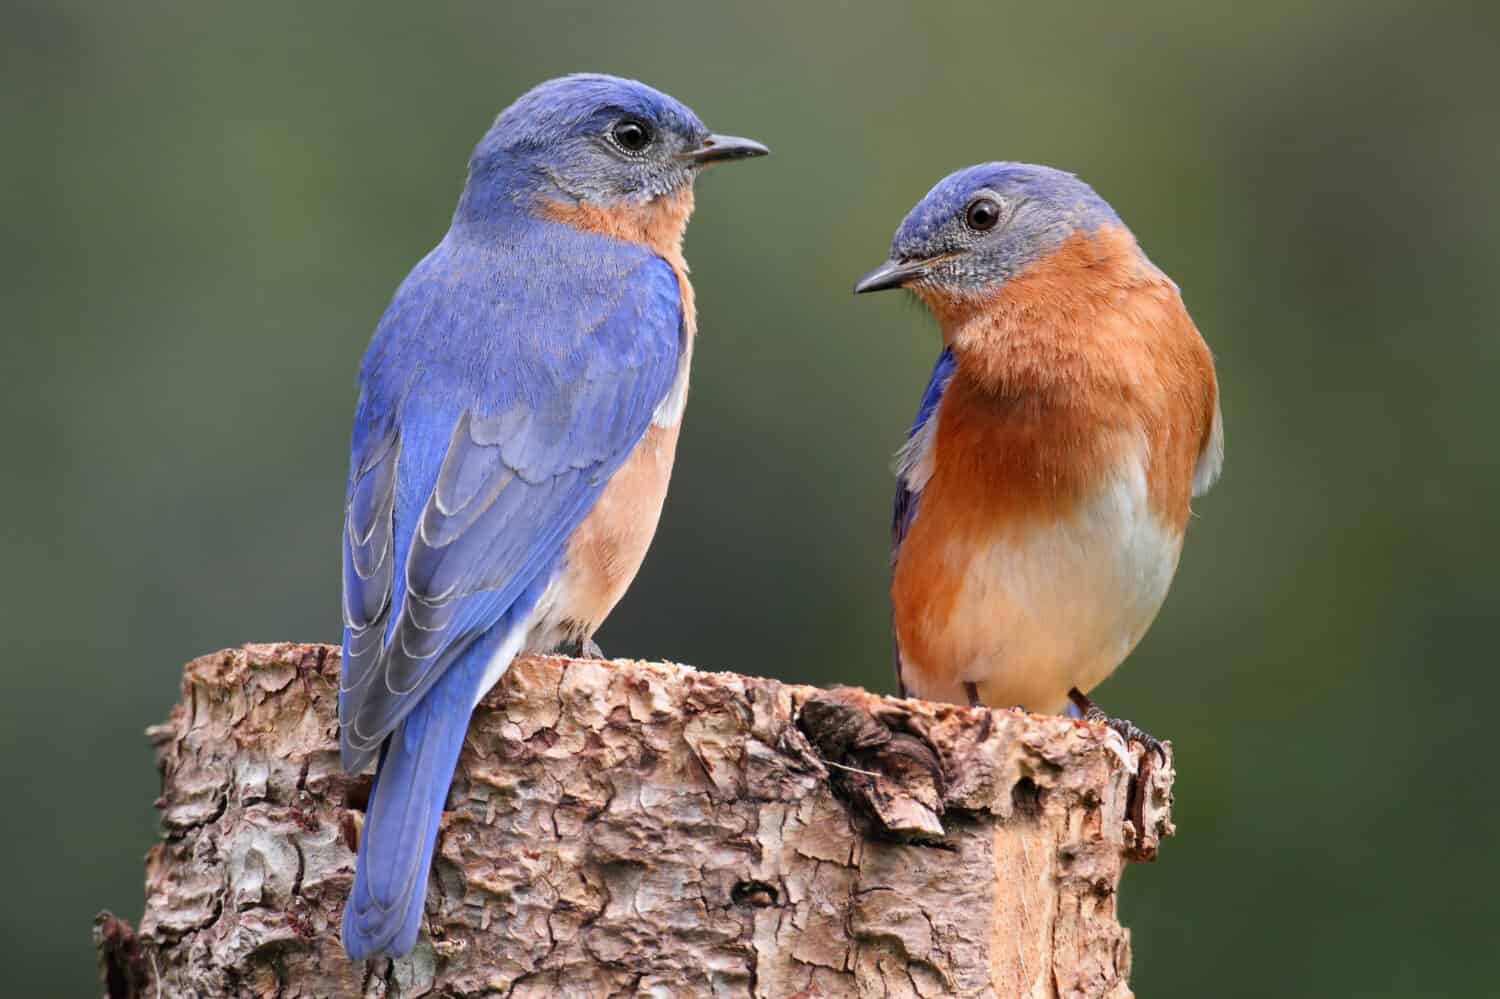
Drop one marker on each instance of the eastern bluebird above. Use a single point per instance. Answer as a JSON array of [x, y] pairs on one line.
[[1073, 413], [517, 421]]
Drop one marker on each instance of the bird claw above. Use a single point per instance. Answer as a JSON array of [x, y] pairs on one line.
[[1126, 729], [1131, 732]]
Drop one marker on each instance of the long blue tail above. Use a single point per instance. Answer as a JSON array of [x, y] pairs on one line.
[[384, 911]]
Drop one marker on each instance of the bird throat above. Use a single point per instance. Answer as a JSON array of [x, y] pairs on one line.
[[658, 224]]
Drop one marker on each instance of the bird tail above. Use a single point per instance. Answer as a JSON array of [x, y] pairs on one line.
[[384, 911]]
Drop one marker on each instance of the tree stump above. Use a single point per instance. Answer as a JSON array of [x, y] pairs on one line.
[[630, 828]]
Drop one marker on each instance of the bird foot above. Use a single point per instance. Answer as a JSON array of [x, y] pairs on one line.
[[1140, 781], [1128, 730]]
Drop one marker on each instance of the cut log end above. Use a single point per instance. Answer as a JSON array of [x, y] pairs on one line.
[[623, 828]]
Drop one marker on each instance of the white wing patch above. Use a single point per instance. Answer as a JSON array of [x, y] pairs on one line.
[[1211, 461], [914, 462], [669, 411]]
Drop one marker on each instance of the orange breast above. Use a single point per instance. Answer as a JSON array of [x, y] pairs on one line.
[[607, 549], [1092, 342]]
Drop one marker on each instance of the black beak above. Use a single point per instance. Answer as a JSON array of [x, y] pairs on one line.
[[718, 148], [891, 274]]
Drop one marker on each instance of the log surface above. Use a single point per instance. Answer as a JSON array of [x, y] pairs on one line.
[[630, 828]]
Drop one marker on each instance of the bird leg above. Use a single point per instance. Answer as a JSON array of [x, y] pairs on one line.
[[972, 690], [1129, 730]]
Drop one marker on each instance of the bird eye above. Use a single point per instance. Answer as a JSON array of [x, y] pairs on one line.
[[982, 214], [631, 134]]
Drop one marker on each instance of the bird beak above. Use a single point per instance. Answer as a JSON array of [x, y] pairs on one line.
[[891, 274], [718, 148]]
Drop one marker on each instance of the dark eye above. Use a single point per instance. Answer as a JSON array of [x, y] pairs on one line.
[[982, 214], [631, 134]]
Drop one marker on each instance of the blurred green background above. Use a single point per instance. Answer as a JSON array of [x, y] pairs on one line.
[[207, 206]]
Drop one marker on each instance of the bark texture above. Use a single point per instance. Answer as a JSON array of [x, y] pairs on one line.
[[630, 828]]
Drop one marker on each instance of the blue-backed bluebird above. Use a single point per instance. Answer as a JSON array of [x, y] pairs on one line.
[[517, 421], [1072, 415]]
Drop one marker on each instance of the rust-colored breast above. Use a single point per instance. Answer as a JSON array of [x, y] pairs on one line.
[[609, 545], [1089, 344]]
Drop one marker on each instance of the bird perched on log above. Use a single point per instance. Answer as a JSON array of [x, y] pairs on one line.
[[516, 426], [1072, 415]]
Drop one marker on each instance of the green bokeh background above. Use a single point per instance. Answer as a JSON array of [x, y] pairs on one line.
[[207, 206]]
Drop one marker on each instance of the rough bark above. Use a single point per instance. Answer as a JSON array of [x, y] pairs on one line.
[[632, 828]]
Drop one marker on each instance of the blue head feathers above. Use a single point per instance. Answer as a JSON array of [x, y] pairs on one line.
[[590, 138], [982, 225]]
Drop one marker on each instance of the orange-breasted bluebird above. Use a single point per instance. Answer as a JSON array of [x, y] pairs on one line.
[[1072, 415], [517, 420]]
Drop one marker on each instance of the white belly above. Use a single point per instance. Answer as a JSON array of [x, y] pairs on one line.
[[1042, 610]]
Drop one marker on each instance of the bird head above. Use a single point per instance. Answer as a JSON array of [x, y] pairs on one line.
[[596, 140], [982, 226]]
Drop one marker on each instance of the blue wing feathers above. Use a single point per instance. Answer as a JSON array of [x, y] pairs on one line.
[[908, 493], [506, 383], [515, 400]]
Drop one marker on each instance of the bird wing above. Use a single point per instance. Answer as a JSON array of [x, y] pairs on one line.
[[914, 466], [914, 461], [1211, 458], [492, 414]]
